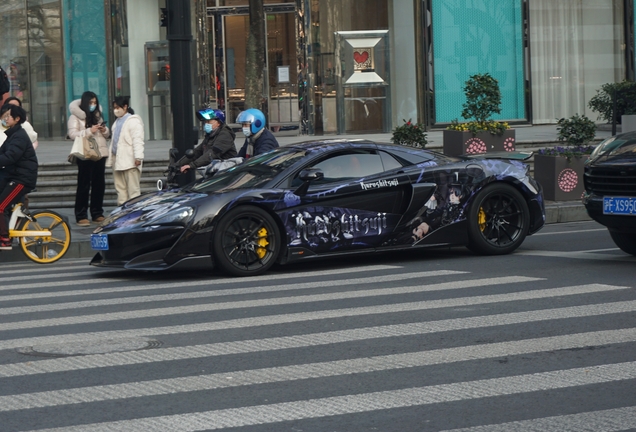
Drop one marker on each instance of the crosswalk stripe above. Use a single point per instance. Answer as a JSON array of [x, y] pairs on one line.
[[174, 386], [367, 402], [217, 281], [53, 273], [116, 316], [206, 294], [584, 255], [611, 420], [434, 326]]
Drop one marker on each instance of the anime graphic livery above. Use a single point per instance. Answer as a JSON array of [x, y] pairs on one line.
[[326, 198]]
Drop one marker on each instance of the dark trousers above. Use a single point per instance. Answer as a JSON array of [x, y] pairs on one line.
[[10, 193], [91, 182]]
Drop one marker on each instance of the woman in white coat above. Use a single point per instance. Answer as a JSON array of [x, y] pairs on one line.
[[86, 121], [126, 152]]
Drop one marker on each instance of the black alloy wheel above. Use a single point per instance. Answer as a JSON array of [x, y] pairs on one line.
[[498, 220], [246, 241]]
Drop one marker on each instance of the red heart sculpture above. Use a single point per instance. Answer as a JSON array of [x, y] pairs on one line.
[[361, 57]]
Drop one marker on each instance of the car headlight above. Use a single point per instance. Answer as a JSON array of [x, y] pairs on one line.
[[178, 216]]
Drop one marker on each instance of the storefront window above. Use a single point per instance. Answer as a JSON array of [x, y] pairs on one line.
[[336, 59], [575, 48], [479, 36], [14, 52]]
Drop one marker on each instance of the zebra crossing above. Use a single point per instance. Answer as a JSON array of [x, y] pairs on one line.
[[372, 347]]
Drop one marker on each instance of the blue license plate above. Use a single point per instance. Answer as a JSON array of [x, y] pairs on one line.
[[619, 206], [99, 241]]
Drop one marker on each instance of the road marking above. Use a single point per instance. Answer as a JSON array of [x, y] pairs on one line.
[[619, 307], [217, 281], [277, 301], [585, 255], [204, 294], [240, 378], [611, 420], [569, 232], [368, 402]]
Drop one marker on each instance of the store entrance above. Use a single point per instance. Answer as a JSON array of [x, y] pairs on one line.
[[229, 37]]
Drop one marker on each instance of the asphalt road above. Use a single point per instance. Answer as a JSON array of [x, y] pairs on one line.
[[541, 340]]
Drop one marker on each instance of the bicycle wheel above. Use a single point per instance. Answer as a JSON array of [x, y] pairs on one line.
[[44, 249]]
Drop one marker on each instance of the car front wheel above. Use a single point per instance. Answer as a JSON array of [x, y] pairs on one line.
[[498, 220], [625, 241], [246, 241]]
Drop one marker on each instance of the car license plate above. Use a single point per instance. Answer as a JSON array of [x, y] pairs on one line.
[[619, 206], [99, 241]]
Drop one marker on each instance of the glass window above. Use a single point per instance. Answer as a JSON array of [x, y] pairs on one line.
[[477, 37], [13, 55], [349, 166], [575, 48]]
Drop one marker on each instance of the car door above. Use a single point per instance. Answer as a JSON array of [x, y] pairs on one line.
[[356, 205]]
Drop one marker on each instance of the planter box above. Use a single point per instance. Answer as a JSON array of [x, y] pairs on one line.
[[561, 180], [458, 143]]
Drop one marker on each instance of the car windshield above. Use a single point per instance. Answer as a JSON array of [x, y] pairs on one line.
[[254, 173]]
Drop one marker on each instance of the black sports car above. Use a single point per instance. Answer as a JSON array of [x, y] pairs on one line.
[[610, 188], [325, 198]]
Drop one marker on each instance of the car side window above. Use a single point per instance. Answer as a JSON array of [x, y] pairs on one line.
[[389, 161], [348, 166]]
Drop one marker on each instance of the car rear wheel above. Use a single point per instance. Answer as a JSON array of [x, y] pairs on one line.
[[246, 241], [625, 241], [498, 220]]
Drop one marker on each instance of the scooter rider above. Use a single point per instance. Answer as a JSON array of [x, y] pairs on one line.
[[217, 144], [258, 140]]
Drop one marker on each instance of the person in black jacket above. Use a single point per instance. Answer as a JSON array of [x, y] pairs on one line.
[[19, 165], [217, 144], [258, 140]]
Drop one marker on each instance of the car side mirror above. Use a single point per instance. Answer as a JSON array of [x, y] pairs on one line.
[[307, 176]]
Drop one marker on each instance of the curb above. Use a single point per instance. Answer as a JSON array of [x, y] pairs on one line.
[[555, 212]]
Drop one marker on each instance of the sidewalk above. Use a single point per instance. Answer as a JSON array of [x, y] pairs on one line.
[[56, 151]]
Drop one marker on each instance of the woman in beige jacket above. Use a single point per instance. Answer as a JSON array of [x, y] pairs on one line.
[[86, 121], [126, 152]]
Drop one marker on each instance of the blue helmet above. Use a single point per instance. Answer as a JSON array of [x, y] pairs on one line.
[[254, 117], [211, 114]]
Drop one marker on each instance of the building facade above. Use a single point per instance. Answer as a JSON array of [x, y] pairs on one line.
[[331, 66]]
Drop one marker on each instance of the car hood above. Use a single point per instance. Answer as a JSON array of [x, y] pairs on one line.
[[618, 150]]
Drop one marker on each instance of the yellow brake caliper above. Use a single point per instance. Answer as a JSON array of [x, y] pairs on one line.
[[482, 219], [262, 243]]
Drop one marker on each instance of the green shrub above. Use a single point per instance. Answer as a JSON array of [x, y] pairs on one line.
[[603, 103], [410, 134], [576, 130]]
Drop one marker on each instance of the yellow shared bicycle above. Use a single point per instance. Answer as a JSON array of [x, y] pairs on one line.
[[44, 236]]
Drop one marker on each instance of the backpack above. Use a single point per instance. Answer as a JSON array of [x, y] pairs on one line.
[[5, 84]]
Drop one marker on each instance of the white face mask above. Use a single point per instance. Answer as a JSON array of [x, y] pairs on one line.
[[118, 112], [246, 131]]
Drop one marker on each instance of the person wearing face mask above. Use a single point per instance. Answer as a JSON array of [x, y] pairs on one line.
[[26, 125], [20, 166], [258, 139], [126, 153], [86, 120], [218, 142]]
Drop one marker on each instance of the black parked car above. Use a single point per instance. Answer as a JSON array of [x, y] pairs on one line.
[[610, 188], [325, 198]]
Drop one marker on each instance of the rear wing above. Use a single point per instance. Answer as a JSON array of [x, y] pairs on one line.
[[522, 156]]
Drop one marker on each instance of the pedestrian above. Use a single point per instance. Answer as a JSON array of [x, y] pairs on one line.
[[258, 139], [126, 153], [86, 120], [20, 166], [12, 100], [218, 142]]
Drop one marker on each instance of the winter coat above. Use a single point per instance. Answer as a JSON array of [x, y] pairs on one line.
[[18, 161], [130, 146], [77, 127], [263, 142], [216, 145], [33, 135]]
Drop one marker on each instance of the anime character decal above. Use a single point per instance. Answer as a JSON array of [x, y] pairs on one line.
[[438, 212]]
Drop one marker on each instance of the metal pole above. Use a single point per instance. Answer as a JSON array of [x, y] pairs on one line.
[[179, 33], [614, 111]]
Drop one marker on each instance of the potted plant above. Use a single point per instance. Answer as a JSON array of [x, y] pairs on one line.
[[559, 169], [410, 134], [603, 103], [481, 134]]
